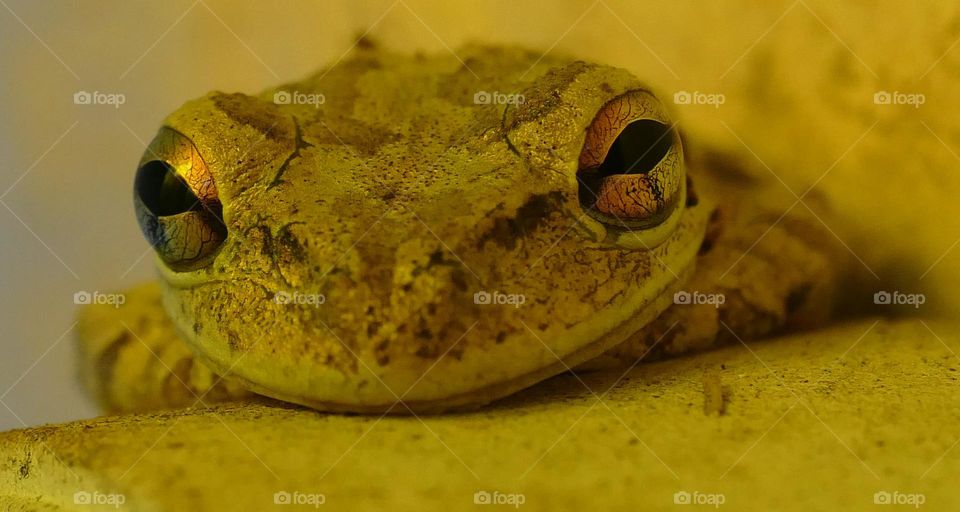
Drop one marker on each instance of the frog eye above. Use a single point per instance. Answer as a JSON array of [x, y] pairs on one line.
[[631, 176], [177, 204]]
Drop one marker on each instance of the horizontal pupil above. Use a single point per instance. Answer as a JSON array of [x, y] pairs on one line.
[[638, 148], [162, 191]]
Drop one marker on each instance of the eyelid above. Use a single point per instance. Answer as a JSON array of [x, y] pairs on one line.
[[627, 197], [179, 152], [613, 117]]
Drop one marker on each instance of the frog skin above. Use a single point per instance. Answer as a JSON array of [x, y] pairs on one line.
[[362, 240]]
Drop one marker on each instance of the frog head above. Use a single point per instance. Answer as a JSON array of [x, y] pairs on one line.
[[428, 231]]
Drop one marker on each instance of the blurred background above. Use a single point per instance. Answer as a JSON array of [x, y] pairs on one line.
[[854, 103]]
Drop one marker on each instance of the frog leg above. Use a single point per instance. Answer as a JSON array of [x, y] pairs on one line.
[[763, 269], [132, 359]]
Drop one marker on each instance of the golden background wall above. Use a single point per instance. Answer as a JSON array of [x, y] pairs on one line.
[[798, 81]]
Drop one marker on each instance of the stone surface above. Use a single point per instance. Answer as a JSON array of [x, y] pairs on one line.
[[813, 421]]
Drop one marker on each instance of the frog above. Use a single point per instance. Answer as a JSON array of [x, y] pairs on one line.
[[421, 233]]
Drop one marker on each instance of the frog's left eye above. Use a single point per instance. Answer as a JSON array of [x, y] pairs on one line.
[[631, 171], [177, 203]]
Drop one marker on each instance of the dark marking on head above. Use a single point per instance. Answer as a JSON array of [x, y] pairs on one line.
[[545, 95], [262, 116], [25, 467], [363, 138], [506, 231], [234, 343], [289, 246]]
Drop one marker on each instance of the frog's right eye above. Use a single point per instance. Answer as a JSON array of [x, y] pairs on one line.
[[177, 203], [631, 173]]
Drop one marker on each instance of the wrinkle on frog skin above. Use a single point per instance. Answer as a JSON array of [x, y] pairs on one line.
[[299, 144]]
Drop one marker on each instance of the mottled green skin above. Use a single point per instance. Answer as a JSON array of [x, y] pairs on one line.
[[398, 199]]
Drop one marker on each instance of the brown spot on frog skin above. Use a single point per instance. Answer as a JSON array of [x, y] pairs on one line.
[[24, 470], [234, 343], [262, 116], [545, 95], [508, 231]]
